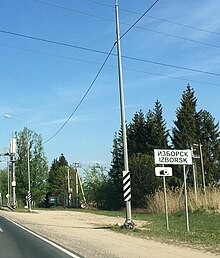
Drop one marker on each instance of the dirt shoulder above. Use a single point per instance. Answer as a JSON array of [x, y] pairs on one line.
[[89, 235]]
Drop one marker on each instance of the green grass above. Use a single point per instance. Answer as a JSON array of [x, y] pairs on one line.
[[204, 228]]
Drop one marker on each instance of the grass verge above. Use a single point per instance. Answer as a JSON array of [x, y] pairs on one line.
[[204, 230]]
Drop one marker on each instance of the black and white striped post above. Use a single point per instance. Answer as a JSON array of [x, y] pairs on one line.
[[29, 199], [126, 184]]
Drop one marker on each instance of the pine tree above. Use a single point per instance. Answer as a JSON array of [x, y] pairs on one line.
[[137, 134], [115, 196], [185, 131], [157, 134], [208, 136], [194, 127], [160, 132]]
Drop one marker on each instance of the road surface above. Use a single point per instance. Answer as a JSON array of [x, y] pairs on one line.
[[16, 242]]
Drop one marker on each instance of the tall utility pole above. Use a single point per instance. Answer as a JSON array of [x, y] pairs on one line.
[[128, 223], [29, 197], [76, 165], [68, 188], [28, 162], [12, 155], [203, 172]]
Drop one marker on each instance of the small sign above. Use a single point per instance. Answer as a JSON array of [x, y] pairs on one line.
[[178, 157], [163, 171]]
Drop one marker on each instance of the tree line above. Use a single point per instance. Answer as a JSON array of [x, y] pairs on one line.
[[145, 132]]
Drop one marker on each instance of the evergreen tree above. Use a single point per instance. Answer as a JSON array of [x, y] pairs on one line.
[[143, 179], [115, 196], [184, 134], [157, 134], [197, 128], [160, 134], [57, 180], [137, 134], [208, 136], [150, 127], [185, 131]]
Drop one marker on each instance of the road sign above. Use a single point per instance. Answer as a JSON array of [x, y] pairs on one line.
[[163, 171], [177, 157]]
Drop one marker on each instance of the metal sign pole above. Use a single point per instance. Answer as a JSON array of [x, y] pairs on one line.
[[186, 199], [165, 203]]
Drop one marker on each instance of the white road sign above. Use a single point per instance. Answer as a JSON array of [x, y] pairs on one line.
[[163, 171], [177, 157]]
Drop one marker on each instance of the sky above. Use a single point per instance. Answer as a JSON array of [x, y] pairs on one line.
[[42, 82]]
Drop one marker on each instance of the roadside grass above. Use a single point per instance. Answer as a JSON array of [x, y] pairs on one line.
[[204, 228]]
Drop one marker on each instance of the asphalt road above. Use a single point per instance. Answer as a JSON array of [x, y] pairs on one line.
[[16, 242]]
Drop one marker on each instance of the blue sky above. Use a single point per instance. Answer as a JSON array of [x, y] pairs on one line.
[[42, 83]]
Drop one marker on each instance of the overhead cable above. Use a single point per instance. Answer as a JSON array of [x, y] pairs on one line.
[[132, 25], [112, 66], [156, 18], [106, 53], [139, 19], [84, 96]]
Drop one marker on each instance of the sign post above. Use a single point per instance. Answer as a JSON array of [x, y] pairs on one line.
[[186, 199], [164, 171], [175, 157]]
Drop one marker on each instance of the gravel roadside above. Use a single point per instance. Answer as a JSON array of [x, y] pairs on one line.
[[88, 235]]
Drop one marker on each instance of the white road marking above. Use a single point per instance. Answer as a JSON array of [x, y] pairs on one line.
[[44, 239], [1, 230]]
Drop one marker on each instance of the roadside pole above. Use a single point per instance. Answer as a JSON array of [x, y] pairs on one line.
[[126, 187], [186, 199], [8, 194], [68, 187], [13, 144], [203, 172], [164, 172], [76, 165], [165, 203]]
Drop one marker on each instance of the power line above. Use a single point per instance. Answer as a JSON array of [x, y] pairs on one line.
[[139, 19], [84, 96], [72, 10], [106, 53], [156, 18], [102, 66], [112, 66], [169, 65], [127, 24], [51, 41]]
